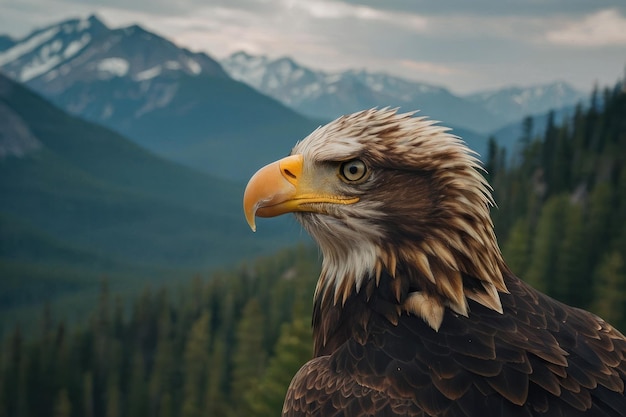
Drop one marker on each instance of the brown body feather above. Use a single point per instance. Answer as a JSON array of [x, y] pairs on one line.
[[416, 312], [538, 358]]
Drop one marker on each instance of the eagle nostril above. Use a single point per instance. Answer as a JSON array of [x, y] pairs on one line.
[[289, 173]]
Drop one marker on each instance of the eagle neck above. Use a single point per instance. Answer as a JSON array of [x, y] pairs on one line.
[[335, 323], [421, 279]]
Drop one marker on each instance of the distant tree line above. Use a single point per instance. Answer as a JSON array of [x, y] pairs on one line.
[[230, 344]]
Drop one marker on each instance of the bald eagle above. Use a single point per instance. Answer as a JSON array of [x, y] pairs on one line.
[[415, 311]]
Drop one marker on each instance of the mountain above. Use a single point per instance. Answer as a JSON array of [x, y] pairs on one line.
[[185, 106], [474, 117], [86, 50], [6, 42], [175, 102], [325, 95], [79, 201], [514, 103]]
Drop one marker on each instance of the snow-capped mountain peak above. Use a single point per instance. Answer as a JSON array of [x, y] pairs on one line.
[[521, 101], [86, 49], [263, 73], [326, 95], [100, 73], [47, 48]]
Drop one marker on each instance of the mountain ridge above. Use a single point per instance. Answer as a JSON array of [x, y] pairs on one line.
[[188, 107], [318, 93], [172, 101], [518, 102]]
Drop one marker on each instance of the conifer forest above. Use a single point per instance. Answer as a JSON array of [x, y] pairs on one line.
[[228, 344]]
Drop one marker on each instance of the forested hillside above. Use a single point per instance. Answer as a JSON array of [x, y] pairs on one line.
[[79, 201], [219, 347], [229, 345], [561, 219]]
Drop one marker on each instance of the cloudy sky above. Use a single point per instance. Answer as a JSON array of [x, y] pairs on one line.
[[465, 45]]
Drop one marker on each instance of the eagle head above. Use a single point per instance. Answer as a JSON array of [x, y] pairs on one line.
[[387, 192]]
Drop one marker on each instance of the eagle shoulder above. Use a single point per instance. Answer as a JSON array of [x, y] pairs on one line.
[[539, 357]]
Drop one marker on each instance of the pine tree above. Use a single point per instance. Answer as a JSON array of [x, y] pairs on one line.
[[113, 405], [24, 369], [163, 368], [545, 248], [88, 402], [597, 224], [548, 150], [137, 404], [45, 365], [579, 164], [62, 406], [4, 412], [99, 347], [166, 406], [14, 356], [293, 349], [571, 283], [516, 250], [561, 175], [249, 356], [216, 379], [196, 362], [610, 289], [527, 130], [492, 164]]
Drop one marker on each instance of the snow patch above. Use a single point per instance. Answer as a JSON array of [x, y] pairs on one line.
[[148, 74], [426, 89], [74, 47], [173, 65], [159, 98], [311, 89], [284, 69], [115, 66], [25, 47], [332, 78], [378, 87], [194, 67], [54, 47], [246, 68], [47, 59], [83, 24]]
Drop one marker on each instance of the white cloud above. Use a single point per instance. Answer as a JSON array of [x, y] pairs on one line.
[[463, 45], [221, 31], [325, 9], [603, 28]]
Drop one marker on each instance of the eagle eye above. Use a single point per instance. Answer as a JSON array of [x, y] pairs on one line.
[[353, 170]]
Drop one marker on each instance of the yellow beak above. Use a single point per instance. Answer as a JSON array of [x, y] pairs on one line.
[[282, 187]]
